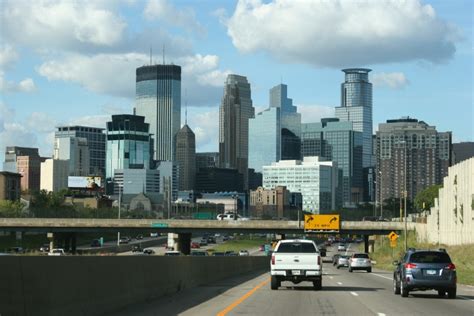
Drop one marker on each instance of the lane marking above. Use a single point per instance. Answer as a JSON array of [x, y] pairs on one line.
[[354, 293], [465, 298], [330, 277], [340, 283], [243, 298], [381, 314], [382, 276]]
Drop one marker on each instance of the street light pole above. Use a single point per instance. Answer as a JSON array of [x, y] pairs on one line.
[[405, 195], [381, 194], [120, 205]]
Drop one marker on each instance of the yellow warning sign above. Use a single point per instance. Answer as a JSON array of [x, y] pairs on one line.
[[322, 222], [393, 243], [393, 236]]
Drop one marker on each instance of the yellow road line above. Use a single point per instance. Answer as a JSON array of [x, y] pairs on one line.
[[243, 298]]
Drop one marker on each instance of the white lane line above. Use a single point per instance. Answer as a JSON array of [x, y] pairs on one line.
[[466, 298], [354, 293], [382, 276], [340, 283], [380, 314], [331, 277]]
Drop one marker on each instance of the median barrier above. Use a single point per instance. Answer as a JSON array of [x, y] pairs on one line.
[[93, 285]]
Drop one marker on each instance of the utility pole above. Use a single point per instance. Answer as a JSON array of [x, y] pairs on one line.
[[405, 196]]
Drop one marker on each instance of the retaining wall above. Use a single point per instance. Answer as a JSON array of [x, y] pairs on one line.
[[90, 285]]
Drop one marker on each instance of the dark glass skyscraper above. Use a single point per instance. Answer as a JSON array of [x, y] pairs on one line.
[[158, 99], [356, 107], [186, 158], [235, 111]]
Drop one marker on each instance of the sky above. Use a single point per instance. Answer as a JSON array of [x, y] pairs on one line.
[[73, 62]]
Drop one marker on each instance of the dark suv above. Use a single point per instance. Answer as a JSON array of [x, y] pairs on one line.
[[421, 270]]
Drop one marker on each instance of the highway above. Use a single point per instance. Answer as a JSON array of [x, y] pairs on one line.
[[343, 293]]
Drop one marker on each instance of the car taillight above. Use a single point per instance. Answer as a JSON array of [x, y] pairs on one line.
[[451, 266], [273, 259], [410, 265]]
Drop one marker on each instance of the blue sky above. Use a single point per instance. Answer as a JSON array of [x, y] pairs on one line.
[[73, 62]]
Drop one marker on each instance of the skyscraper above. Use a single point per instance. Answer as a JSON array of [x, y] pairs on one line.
[[27, 162], [290, 119], [129, 144], [411, 146], [76, 150], [158, 99], [356, 107], [235, 111], [95, 141], [186, 158]]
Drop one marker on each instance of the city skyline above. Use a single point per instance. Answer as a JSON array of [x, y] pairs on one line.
[[81, 76]]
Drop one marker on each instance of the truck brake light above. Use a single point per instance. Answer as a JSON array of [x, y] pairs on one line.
[[273, 259]]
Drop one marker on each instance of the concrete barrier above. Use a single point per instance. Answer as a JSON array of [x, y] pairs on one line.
[[35, 285]]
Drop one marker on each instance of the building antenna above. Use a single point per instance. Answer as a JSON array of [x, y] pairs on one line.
[[163, 54], [185, 106]]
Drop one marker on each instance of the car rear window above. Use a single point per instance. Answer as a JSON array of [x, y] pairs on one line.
[[430, 257], [361, 255], [304, 247]]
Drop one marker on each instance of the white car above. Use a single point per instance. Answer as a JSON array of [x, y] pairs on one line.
[[341, 247], [360, 261], [56, 252], [243, 253]]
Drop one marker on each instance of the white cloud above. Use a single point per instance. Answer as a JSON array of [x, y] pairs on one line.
[[393, 80], [205, 124], [114, 74], [8, 56], [52, 24], [26, 85], [163, 10], [342, 33], [40, 122], [314, 113], [91, 120]]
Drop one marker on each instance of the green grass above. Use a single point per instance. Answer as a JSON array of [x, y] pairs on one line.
[[462, 256], [240, 244]]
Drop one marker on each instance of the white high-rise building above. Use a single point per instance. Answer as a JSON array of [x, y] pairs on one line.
[[54, 175], [76, 150], [316, 181]]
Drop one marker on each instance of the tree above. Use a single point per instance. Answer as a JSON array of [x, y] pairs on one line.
[[424, 200], [12, 209]]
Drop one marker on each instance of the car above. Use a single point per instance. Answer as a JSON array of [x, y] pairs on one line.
[[137, 248], [95, 243], [421, 270], [335, 258], [225, 238], [218, 253], [124, 240], [44, 248], [360, 261], [342, 261], [230, 253], [199, 253], [203, 242], [148, 251], [322, 250], [139, 237], [56, 252], [173, 253], [244, 253], [341, 247], [211, 240], [153, 235]]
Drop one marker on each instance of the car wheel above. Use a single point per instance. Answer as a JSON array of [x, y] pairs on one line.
[[338, 267], [396, 287], [403, 290], [441, 293], [350, 270], [274, 283], [318, 285], [452, 293], [369, 270]]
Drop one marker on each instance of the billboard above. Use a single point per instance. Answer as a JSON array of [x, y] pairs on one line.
[[92, 182]]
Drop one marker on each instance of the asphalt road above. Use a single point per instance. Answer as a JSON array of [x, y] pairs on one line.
[[343, 293]]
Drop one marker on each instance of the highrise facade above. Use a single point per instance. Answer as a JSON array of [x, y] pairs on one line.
[[462, 151], [54, 175], [207, 160], [337, 141], [411, 147], [290, 119], [356, 107], [76, 150], [186, 158], [234, 113], [129, 144], [158, 99], [27, 162], [95, 141], [169, 179]]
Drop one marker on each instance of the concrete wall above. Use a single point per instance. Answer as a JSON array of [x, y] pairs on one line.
[[451, 221], [95, 285]]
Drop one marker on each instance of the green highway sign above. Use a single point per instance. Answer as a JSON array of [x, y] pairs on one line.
[[159, 225]]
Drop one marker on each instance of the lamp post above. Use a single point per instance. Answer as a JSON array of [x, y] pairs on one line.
[[405, 193], [381, 194], [120, 207]]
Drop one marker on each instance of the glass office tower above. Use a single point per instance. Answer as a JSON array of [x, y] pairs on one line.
[[356, 107], [337, 141], [129, 144], [264, 139], [158, 99]]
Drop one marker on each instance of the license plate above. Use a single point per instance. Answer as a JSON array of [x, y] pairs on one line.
[[431, 272], [295, 272]]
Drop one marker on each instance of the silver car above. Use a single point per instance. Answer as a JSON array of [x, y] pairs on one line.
[[360, 261], [342, 261]]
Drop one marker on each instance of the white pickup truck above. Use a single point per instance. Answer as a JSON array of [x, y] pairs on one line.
[[296, 260]]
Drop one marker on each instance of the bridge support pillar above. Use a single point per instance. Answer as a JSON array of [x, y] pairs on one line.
[[184, 243], [366, 243]]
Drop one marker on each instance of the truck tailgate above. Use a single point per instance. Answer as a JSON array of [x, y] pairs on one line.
[[301, 261]]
